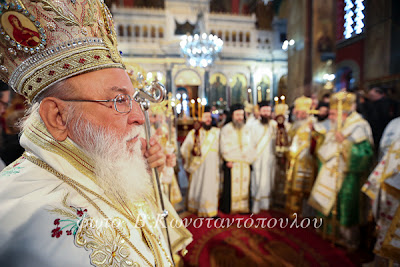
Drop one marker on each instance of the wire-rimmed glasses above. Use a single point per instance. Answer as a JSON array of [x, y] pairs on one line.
[[122, 102]]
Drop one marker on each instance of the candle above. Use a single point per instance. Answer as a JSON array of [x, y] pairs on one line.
[[185, 107], [249, 95], [259, 94], [193, 111], [199, 108], [267, 96], [276, 100], [203, 105], [283, 99]]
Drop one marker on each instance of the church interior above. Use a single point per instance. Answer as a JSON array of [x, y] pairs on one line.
[[213, 56], [270, 49]]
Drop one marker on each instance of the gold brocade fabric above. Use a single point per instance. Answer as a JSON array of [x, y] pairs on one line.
[[240, 181], [107, 246], [301, 170], [300, 175]]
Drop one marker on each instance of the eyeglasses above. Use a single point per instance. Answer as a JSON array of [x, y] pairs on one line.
[[122, 102]]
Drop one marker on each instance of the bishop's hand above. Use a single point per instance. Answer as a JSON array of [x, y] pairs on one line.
[[171, 160], [154, 155], [339, 137]]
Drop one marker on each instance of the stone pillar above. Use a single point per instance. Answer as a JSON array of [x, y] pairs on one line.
[[168, 80], [228, 96], [308, 51], [274, 89], [252, 85], [206, 88]]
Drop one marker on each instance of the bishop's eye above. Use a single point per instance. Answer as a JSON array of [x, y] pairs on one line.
[[121, 99], [123, 103]]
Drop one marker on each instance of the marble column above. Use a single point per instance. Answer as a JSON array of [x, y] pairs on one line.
[[206, 88], [168, 80], [253, 89], [274, 89]]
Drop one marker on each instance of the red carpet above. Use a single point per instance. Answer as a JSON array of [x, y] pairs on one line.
[[233, 246]]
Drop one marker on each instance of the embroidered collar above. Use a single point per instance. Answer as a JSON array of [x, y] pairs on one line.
[[38, 134]]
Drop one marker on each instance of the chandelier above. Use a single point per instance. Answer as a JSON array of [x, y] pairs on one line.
[[201, 51]]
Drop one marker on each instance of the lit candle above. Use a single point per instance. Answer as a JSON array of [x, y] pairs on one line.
[[283, 99], [203, 105], [193, 111], [259, 94], [249, 95], [185, 107], [199, 108], [276, 99], [267, 96]]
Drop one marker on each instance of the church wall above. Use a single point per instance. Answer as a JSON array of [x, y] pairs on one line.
[[323, 35], [296, 55], [372, 51], [395, 39], [377, 41], [352, 52]]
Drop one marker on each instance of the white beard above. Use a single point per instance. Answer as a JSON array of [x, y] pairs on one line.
[[298, 123], [121, 171], [333, 125]]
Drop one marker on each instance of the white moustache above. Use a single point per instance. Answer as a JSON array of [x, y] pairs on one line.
[[137, 132]]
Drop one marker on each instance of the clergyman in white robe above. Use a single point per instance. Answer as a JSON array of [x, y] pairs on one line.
[[263, 172], [204, 172], [383, 188], [237, 151]]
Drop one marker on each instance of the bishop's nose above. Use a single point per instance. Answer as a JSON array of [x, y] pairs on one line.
[[136, 115]]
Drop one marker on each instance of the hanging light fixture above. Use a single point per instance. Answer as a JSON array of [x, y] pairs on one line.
[[201, 51], [267, 1]]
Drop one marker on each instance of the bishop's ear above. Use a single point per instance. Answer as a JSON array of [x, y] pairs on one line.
[[53, 112]]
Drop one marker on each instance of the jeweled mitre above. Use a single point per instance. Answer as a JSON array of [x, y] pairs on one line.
[[347, 99], [46, 41], [303, 103]]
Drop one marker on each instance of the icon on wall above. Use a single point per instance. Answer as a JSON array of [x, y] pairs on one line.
[[218, 88], [264, 86], [238, 86]]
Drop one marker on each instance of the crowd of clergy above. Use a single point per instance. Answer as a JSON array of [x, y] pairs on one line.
[[316, 159]]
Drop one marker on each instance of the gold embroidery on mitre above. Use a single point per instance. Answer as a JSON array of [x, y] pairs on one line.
[[81, 60], [68, 19], [79, 34], [303, 103], [347, 100], [110, 38]]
